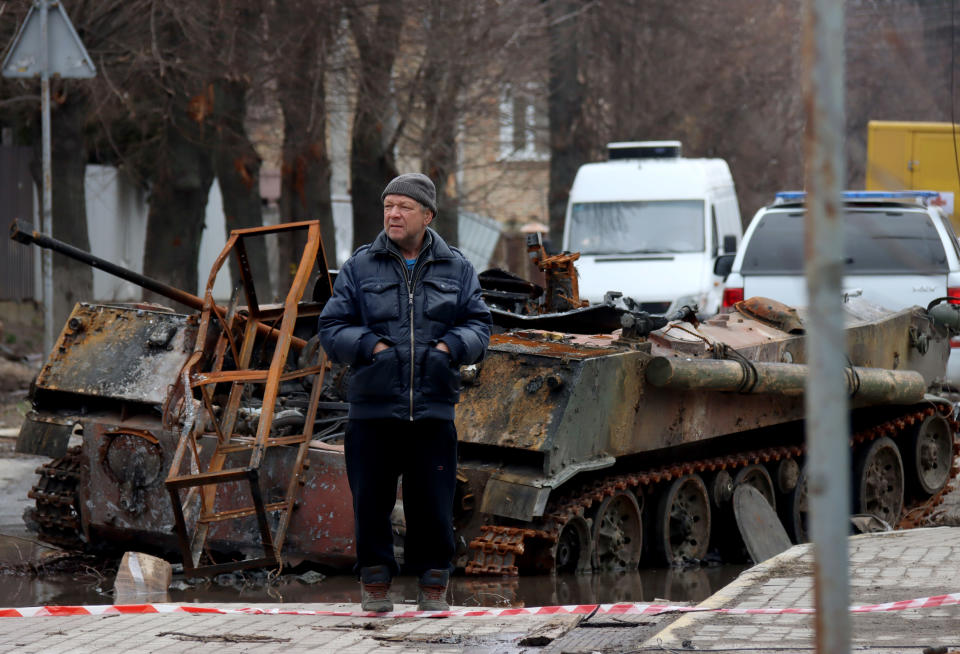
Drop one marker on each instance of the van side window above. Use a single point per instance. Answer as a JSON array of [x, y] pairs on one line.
[[714, 232]]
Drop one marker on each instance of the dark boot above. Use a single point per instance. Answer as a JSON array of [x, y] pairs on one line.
[[375, 589], [433, 591]]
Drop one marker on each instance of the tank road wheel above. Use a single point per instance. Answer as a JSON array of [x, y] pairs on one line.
[[757, 476], [572, 552], [617, 533], [878, 480], [927, 454], [794, 516], [683, 521], [726, 535]]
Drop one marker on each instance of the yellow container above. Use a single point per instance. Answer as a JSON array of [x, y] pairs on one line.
[[916, 156]]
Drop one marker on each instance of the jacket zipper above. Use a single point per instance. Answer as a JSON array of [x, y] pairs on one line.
[[411, 284]]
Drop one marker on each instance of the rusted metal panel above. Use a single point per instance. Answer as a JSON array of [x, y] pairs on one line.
[[512, 403], [322, 526], [45, 434], [125, 498], [119, 353]]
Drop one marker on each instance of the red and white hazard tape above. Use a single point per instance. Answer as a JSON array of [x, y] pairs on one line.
[[577, 609]]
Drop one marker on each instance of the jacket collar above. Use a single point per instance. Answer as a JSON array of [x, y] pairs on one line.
[[434, 247]]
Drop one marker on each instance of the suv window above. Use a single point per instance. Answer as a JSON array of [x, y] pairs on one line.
[[875, 241]]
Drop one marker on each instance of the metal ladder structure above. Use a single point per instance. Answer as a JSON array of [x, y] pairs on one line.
[[217, 476]]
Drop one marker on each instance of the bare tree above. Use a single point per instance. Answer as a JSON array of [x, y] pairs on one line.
[[372, 163], [72, 120], [570, 138], [302, 35], [235, 160]]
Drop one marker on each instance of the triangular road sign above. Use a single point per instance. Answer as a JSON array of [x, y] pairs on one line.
[[67, 56]]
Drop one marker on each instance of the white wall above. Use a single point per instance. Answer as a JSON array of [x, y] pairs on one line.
[[117, 225]]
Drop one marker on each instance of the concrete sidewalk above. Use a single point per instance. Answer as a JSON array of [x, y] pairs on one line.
[[885, 567], [276, 634]]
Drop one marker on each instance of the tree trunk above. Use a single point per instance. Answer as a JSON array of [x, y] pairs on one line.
[[372, 164], [569, 143], [72, 280], [237, 167], [178, 206], [305, 172], [440, 163], [441, 83]]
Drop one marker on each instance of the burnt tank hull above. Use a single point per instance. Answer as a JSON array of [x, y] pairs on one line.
[[543, 415], [216, 436], [573, 422], [111, 372]]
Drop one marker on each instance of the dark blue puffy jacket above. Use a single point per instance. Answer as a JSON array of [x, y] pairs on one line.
[[374, 299]]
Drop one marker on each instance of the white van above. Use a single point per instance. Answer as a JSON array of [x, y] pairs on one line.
[[650, 224]]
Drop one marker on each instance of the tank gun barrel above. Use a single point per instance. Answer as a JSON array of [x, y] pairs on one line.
[[869, 384], [24, 233]]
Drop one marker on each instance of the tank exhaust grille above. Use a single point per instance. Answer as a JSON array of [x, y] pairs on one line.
[[644, 150]]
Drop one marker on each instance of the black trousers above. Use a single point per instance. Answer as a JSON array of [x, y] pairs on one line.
[[424, 454]]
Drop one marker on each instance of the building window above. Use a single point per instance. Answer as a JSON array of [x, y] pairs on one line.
[[523, 124]]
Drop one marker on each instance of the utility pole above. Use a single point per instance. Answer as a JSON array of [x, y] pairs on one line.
[[47, 45], [827, 422]]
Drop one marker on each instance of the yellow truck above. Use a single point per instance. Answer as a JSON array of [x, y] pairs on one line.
[[915, 155]]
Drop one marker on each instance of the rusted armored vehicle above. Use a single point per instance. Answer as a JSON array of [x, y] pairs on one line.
[[591, 437]]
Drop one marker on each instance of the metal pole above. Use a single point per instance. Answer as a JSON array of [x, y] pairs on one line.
[[827, 421], [47, 223]]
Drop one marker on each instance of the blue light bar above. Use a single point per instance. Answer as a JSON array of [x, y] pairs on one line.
[[800, 196]]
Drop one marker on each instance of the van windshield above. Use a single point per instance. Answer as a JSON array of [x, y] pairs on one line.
[[901, 241], [637, 227]]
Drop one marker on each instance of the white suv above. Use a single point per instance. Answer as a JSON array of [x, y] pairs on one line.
[[901, 251]]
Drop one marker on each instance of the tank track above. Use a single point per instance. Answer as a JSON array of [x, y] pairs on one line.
[[497, 549], [56, 516]]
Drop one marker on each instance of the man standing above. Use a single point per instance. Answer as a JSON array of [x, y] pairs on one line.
[[406, 313]]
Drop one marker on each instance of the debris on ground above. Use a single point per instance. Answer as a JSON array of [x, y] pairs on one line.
[[223, 638]]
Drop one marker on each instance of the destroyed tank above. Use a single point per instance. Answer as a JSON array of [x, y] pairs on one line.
[[590, 437]]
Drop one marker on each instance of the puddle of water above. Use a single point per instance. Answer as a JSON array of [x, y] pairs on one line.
[[41, 582]]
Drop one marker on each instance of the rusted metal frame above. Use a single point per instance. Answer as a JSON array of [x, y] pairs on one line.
[[273, 379], [271, 442], [282, 347], [827, 410], [193, 547], [297, 288], [180, 526], [208, 478], [246, 277], [266, 537], [223, 427], [295, 477], [217, 265], [181, 449], [236, 391], [208, 301], [250, 376], [205, 393], [274, 229], [306, 309], [226, 333], [208, 494], [234, 514], [215, 269]]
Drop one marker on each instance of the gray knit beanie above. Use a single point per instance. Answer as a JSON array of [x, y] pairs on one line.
[[414, 185]]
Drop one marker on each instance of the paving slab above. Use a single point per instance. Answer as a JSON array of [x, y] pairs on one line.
[[884, 567], [185, 632]]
